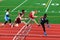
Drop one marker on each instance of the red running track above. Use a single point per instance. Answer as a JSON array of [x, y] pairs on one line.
[[36, 32]]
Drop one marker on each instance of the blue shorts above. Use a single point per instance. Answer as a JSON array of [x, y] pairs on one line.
[[7, 18]]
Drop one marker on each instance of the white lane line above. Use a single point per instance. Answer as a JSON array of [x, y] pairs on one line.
[[27, 32], [19, 5], [48, 6], [43, 35], [20, 30]]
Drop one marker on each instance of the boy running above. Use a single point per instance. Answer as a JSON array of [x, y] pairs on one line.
[[43, 21], [18, 18], [32, 16], [7, 17]]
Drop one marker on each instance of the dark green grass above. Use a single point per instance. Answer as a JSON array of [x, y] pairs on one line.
[[54, 17]]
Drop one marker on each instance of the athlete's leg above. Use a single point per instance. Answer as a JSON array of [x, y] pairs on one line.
[[9, 20], [24, 22], [13, 24], [34, 21], [6, 20], [43, 26], [47, 23], [29, 22]]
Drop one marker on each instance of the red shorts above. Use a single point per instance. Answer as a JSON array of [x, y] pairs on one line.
[[31, 17], [18, 20]]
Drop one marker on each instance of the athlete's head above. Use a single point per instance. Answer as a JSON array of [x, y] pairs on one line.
[[45, 15], [23, 11], [35, 11], [7, 10]]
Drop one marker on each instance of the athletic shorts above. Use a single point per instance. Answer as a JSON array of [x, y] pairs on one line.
[[43, 21], [18, 20], [7, 18]]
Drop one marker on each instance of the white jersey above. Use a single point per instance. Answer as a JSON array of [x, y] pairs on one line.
[[7, 16], [7, 13]]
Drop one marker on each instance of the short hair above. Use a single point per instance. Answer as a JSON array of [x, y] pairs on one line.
[[45, 14], [23, 10], [7, 10]]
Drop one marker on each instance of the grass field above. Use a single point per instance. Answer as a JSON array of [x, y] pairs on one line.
[[51, 7]]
